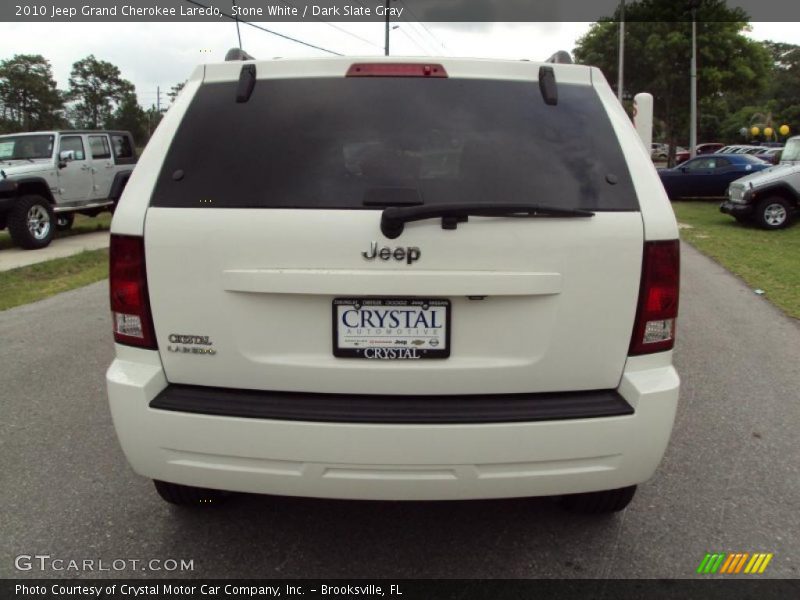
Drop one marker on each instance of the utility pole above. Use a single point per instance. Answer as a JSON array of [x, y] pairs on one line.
[[693, 81], [386, 47], [621, 51], [158, 98]]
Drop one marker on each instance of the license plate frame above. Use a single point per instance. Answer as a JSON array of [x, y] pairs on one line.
[[421, 343]]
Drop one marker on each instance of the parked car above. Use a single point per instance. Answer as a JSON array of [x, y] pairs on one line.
[[709, 175], [771, 197], [47, 177], [702, 149], [709, 148], [791, 152], [659, 151], [339, 304], [770, 155]]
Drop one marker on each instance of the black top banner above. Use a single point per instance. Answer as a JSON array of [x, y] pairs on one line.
[[378, 10]]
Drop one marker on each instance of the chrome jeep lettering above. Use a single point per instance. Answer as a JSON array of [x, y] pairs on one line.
[[410, 254]]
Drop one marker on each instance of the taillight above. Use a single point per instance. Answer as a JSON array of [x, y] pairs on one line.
[[396, 70], [130, 305], [654, 330]]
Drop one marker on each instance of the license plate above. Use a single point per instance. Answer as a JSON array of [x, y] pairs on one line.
[[391, 328]]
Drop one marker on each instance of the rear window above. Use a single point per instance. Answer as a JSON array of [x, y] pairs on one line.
[[122, 146], [338, 142]]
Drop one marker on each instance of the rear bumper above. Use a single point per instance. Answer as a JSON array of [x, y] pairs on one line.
[[735, 209], [393, 461]]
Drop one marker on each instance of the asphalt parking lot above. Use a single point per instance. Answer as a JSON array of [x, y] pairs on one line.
[[730, 481]]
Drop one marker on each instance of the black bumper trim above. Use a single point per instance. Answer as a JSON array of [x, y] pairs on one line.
[[734, 208], [356, 408]]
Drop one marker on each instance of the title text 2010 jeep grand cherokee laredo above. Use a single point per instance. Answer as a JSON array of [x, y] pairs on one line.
[[395, 280]]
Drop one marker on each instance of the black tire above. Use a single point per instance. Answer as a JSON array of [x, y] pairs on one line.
[[596, 503], [31, 223], [185, 495], [64, 221], [773, 213]]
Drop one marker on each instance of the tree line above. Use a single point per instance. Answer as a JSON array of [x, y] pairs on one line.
[[741, 83], [98, 97]]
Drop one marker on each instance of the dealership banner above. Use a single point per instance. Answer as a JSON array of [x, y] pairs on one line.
[[376, 10], [400, 589]]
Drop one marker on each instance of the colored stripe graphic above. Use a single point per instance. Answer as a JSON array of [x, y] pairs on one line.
[[734, 563]]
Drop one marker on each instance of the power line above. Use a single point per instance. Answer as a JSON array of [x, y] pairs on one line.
[[281, 35], [418, 20], [426, 43], [350, 33], [405, 33]]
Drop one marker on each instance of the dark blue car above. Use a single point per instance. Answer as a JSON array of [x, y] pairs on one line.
[[708, 175]]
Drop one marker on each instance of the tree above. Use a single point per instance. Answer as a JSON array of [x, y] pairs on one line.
[[129, 116], [784, 84], [175, 90], [96, 86], [153, 116], [29, 99], [732, 69]]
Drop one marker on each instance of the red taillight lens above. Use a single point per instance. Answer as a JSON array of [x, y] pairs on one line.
[[654, 330], [130, 306], [396, 70]]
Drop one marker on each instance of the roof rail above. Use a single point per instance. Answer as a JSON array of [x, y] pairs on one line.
[[237, 54], [561, 57]]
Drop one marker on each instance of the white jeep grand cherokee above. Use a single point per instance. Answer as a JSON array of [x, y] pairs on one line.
[[393, 279]]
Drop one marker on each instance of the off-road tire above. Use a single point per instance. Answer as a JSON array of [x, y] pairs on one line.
[[773, 213], [185, 495], [27, 233], [597, 503]]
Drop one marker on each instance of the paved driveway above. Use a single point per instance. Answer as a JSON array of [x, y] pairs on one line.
[[12, 258], [729, 482]]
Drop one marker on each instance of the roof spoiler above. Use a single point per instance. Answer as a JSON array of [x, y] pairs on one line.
[[237, 54], [561, 57]]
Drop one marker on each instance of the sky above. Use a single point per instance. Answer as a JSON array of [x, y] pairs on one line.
[[153, 55]]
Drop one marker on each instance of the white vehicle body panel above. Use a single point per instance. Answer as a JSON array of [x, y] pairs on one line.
[[558, 298]]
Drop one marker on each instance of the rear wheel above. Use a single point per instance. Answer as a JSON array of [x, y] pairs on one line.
[[773, 213], [185, 495], [64, 221], [31, 222], [596, 503]]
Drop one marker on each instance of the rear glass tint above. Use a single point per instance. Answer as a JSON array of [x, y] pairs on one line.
[[336, 142]]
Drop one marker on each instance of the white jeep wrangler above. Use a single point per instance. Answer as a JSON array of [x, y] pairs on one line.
[[46, 177], [395, 279]]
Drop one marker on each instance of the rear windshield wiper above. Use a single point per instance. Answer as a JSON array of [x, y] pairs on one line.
[[394, 218]]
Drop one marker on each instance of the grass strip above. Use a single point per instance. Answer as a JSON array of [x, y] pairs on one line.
[[765, 260], [42, 280]]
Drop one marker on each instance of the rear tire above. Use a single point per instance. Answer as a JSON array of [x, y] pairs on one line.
[[597, 503], [185, 495], [31, 223], [773, 213], [64, 221]]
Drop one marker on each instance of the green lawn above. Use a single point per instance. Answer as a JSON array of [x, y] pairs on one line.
[[767, 260], [101, 222], [36, 282]]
